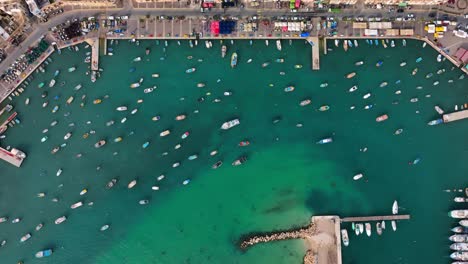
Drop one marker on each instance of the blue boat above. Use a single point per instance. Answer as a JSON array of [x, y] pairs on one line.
[[379, 63], [436, 122], [376, 42], [56, 73], [190, 70], [418, 59], [44, 253], [234, 60], [350, 43], [146, 144]]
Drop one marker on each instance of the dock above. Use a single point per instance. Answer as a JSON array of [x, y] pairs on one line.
[[94, 43], [314, 41], [15, 157], [455, 116], [375, 218]]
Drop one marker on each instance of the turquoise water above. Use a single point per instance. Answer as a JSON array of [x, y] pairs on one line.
[[287, 179]]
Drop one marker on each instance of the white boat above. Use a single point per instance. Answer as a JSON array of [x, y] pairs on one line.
[[164, 133], [459, 238], [230, 124], [155, 75], [459, 214], [76, 205], [403, 64], [134, 111], [367, 95], [392, 44], [464, 223], [155, 188], [395, 207], [60, 220], [137, 59], [67, 136], [368, 229], [25, 237], [104, 227], [378, 228], [439, 58], [27, 101], [132, 184], [123, 120], [52, 83], [439, 110], [266, 42], [122, 108], [424, 44], [352, 89], [459, 255], [148, 90], [357, 176], [337, 42], [383, 224], [361, 228], [84, 191], [59, 172], [394, 225], [344, 237], [356, 44], [460, 199], [278, 44], [459, 246]]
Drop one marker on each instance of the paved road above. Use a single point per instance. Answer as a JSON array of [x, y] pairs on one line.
[[128, 9]]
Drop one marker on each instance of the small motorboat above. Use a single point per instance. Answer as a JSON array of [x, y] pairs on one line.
[[379, 63], [298, 66], [137, 59], [200, 85], [43, 253], [59, 172], [84, 191], [175, 165], [143, 202], [3, 219], [359, 63], [135, 85], [278, 44], [214, 152], [97, 101], [414, 71], [217, 165], [100, 143], [25, 237], [67, 136], [60, 220], [305, 102], [323, 85], [16, 220], [265, 64], [52, 83], [324, 108], [368, 229], [185, 182], [155, 118], [395, 207], [76, 205], [39, 226], [402, 64], [111, 183], [289, 89], [357, 176], [190, 70], [241, 160], [132, 184], [134, 111], [104, 227], [383, 84], [155, 75], [244, 143], [121, 108], [185, 135], [352, 89], [350, 75], [367, 95], [164, 133], [71, 69], [325, 141], [419, 60], [45, 104], [398, 131], [180, 117], [44, 139], [344, 237], [145, 145], [381, 118]]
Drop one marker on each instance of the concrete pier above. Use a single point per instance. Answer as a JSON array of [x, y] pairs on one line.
[[94, 43], [455, 116], [315, 52], [375, 218]]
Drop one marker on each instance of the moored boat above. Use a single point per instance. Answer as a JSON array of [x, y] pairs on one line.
[[180, 117], [217, 165], [233, 60], [402, 64], [394, 227], [439, 110], [244, 143], [145, 145], [278, 44], [368, 229], [223, 51], [71, 69], [325, 140], [378, 228], [460, 229], [344, 237], [185, 135], [419, 60], [132, 184], [135, 85], [165, 133], [39, 226], [323, 85], [60, 220], [357, 176], [155, 75], [190, 70], [149, 90], [298, 66], [383, 84], [459, 246], [395, 207], [459, 213], [350, 75], [459, 255], [435, 122], [324, 108], [305, 102], [76, 205], [379, 63], [121, 108], [230, 124], [352, 89], [100, 143], [43, 253], [359, 63], [381, 118], [460, 200], [459, 238], [111, 183], [104, 227], [289, 89], [414, 71], [52, 83], [25, 237], [67, 136], [239, 161]]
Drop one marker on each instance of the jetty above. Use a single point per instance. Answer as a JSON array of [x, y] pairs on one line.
[[14, 157], [322, 236], [94, 43], [314, 42], [455, 116]]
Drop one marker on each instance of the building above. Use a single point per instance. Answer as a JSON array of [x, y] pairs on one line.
[[8, 25], [34, 8]]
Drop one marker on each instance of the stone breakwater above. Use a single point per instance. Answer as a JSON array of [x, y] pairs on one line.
[[303, 233]]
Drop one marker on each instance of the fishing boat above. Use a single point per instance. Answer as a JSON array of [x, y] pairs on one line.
[[289, 89], [357, 176], [217, 165], [223, 51], [381, 118], [395, 207], [52, 83], [25, 237], [76, 205], [460, 199], [185, 135], [439, 110], [435, 122], [414, 71], [121, 108], [403, 64], [324, 108], [325, 141], [378, 228], [71, 69], [39, 226], [43, 253], [344, 237], [111, 183], [459, 213], [135, 85], [350, 75], [419, 60], [464, 223], [132, 184], [100, 143], [104, 227], [137, 59], [379, 63], [367, 95], [234, 60], [164, 133], [460, 229], [244, 143], [359, 63], [459, 238], [398, 131], [459, 246], [459, 255], [97, 101], [305, 102], [298, 66], [155, 75], [383, 84], [145, 145], [148, 90], [180, 117], [345, 45], [368, 229], [278, 45], [323, 85], [191, 70], [60, 220]]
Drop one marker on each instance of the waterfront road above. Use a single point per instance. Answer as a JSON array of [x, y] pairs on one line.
[[128, 9]]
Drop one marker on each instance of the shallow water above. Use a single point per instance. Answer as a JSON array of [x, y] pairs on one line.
[[287, 179]]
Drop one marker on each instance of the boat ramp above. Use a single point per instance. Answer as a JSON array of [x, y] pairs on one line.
[[455, 116]]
